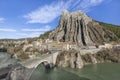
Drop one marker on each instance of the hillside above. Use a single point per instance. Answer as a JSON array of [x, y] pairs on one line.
[[114, 28], [45, 35]]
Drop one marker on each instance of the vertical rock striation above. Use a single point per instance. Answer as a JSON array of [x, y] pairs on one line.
[[73, 27], [79, 28]]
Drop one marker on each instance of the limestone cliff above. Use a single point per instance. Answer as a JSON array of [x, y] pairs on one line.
[[79, 28]]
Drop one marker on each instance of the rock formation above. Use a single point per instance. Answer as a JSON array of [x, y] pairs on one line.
[[15, 72], [79, 28], [19, 73], [73, 58], [69, 59]]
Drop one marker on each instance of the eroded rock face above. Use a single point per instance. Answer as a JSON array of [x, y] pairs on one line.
[[73, 58], [69, 59], [89, 59], [79, 28]]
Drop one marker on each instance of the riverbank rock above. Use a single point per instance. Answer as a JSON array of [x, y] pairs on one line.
[[105, 55], [89, 59], [108, 55], [19, 73], [69, 59], [73, 58]]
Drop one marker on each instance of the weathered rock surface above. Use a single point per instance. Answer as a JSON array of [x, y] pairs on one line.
[[73, 59], [79, 28], [107, 55], [15, 72], [69, 59], [19, 73]]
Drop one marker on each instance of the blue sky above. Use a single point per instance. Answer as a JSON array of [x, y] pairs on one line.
[[30, 18]]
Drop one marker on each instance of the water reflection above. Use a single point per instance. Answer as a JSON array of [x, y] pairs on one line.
[[105, 71], [54, 74]]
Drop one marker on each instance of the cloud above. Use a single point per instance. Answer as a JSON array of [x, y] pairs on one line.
[[48, 13], [35, 34], [2, 20], [43, 29], [89, 3], [32, 34], [7, 30]]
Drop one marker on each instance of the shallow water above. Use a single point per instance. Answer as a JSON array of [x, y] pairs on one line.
[[5, 60], [105, 71]]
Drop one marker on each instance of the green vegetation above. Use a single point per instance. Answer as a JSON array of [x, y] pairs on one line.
[[45, 35], [114, 28]]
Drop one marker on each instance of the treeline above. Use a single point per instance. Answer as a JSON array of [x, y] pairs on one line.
[[45, 35], [114, 28]]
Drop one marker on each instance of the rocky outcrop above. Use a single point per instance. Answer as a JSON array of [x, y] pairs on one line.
[[89, 59], [106, 55], [79, 28], [19, 73], [69, 59], [10, 69], [15, 72], [73, 58]]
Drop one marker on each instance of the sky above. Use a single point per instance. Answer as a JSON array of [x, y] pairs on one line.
[[30, 18]]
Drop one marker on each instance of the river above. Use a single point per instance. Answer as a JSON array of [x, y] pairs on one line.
[[104, 71], [5, 59]]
